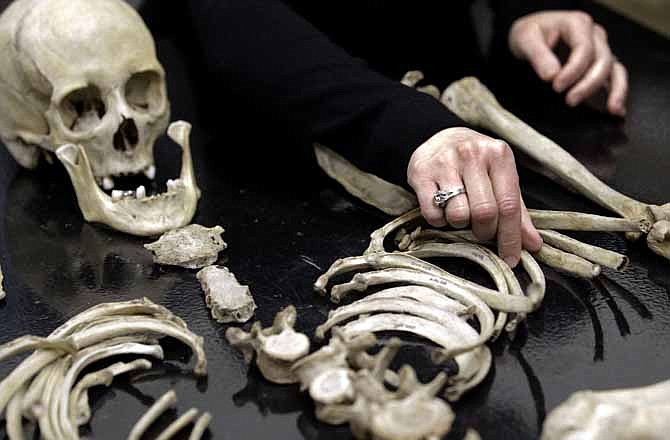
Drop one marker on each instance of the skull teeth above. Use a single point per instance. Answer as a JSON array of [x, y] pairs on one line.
[[107, 183], [150, 172], [141, 192]]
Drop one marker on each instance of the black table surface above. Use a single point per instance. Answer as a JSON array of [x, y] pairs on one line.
[[610, 332]]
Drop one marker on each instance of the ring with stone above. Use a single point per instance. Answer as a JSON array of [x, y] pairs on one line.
[[441, 198]]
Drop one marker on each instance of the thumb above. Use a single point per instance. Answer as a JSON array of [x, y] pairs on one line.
[[531, 45]]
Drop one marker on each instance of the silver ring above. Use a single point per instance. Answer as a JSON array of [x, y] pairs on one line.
[[440, 198]]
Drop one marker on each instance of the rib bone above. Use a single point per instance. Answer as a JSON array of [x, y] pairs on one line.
[[161, 405], [591, 253], [475, 104]]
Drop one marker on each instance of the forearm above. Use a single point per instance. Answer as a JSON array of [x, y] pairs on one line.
[[299, 80]]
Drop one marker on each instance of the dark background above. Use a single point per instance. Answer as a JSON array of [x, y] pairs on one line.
[[286, 223]]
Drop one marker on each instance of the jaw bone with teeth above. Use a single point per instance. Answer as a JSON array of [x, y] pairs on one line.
[[81, 77]]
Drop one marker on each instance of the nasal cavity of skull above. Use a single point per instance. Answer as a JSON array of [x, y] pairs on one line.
[[144, 91], [83, 109], [127, 136]]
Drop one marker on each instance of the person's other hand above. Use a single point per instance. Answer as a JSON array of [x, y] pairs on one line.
[[590, 65], [485, 167]]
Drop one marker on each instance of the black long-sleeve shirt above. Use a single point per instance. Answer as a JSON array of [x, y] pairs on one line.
[[300, 65]]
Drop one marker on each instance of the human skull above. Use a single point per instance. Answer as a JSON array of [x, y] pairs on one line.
[[85, 73]]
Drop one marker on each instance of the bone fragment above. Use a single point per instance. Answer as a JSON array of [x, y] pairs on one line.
[[200, 426], [276, 348], [228, 300], [191, 247], [626, 414], [595, 254], [179, 424], [378, 236], [475, 104], [387, 197], [471, 434], [167, 400], [579, 221], [413, 77]]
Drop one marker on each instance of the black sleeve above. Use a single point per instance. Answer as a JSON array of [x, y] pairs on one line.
[[300, 80]]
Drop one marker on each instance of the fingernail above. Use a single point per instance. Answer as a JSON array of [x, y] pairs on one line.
[[511, 261], [571, 100]]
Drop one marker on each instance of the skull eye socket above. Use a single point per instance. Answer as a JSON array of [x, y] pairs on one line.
[[144, 91], [83, 109]]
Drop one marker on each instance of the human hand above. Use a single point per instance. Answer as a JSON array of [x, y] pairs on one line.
[[590, 65], [460, 157]]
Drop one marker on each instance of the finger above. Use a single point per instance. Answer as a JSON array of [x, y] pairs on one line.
[[425, 192], [578, 34], [535, 47], [530, 238], [505, 183], [616, 102], [599, 72], [457, 210], [483, 207]]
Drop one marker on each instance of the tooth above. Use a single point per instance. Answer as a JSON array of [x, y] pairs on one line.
[[141, 192], [107, 183], [117, 195], [171, 186], [150, 172]]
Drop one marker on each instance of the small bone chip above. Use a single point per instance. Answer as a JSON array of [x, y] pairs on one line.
[[225, 296], [192, 247]]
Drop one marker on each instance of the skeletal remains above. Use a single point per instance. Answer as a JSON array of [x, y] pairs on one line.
[[80, 79], [191, 247], [228, 300], [46, 387], [349, 385], [628, 414]]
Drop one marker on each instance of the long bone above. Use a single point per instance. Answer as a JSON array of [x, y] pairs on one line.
[[579, 221], [595, 254], [179, 424], [475, 104], [458, 341]]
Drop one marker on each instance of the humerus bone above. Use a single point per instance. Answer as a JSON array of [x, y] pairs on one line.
[[389, 198], [161, 405], [591, 253], [228, 300], [276, 348], [628, 414], [475, 104], [191, 247]]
